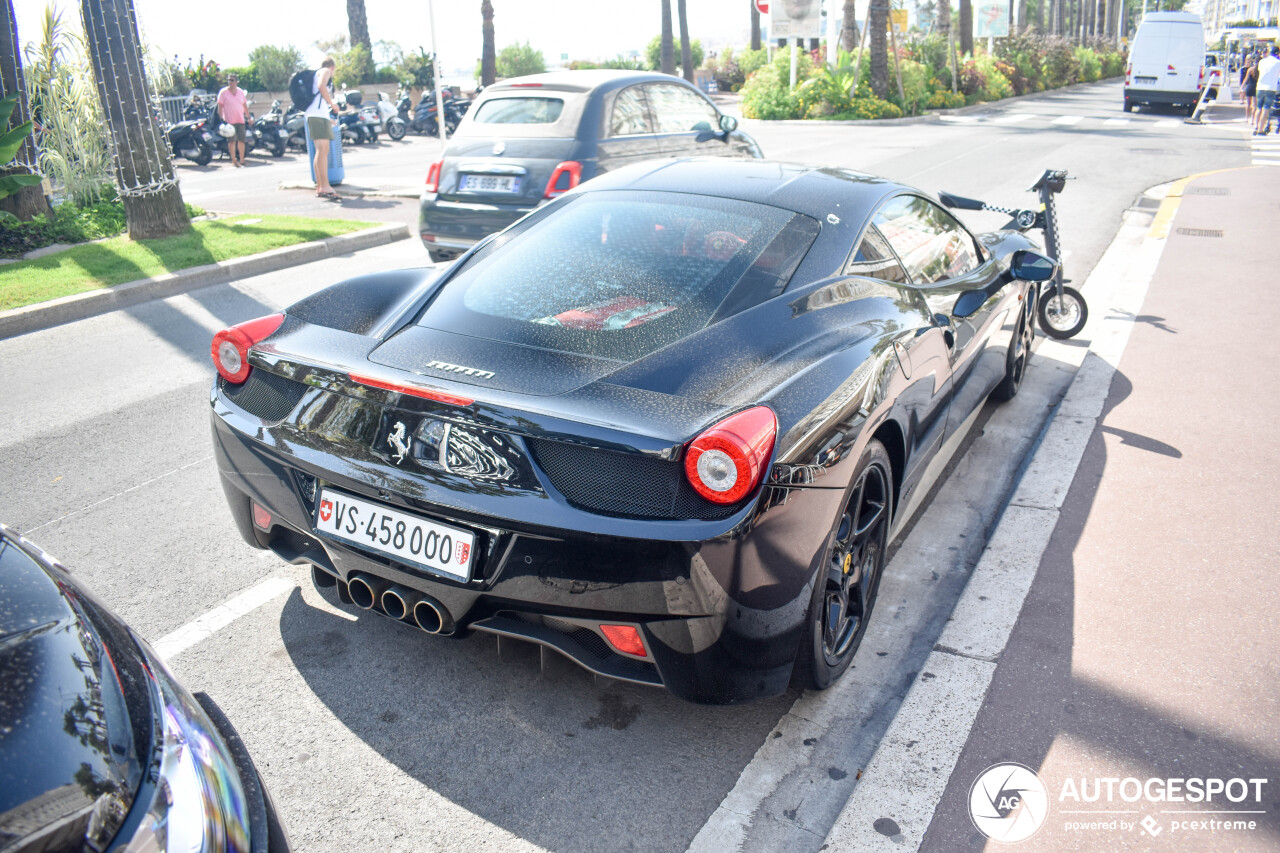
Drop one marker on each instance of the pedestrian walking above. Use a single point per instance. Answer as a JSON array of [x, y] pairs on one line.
[[1249, 87], [320, 127], [233, 106], [1268, 82]]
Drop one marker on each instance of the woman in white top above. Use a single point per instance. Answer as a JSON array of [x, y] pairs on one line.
[[320, 128]]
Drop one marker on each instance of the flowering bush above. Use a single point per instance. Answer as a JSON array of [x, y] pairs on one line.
[[1090, 65]]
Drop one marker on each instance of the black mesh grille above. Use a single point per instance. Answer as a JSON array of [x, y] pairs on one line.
[[264, 395], [622, 484]]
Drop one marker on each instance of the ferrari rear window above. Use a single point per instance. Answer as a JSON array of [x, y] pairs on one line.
[[620, 274]]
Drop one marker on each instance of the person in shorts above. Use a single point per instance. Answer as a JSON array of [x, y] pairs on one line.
[[233, 106], [320, 127], [1268, 82]]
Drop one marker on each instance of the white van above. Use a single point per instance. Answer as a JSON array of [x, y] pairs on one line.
[[1166, 62]]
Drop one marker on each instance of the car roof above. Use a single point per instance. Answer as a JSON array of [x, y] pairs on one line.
[[585, 80], [812, 190]]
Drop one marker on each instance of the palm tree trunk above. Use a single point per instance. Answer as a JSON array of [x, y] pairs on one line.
[[28, 201], [144, 172], [966, 26], [878, 23], [943, 11], [358, 24], [849, 26], [755, 25], [686, 49], [488, 54], [668, 61]]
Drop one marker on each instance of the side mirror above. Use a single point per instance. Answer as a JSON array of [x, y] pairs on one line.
[[728, 124], [1032, 266], [968, 303]]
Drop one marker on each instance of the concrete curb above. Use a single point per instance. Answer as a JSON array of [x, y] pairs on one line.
[[44, 315], [932, 115]]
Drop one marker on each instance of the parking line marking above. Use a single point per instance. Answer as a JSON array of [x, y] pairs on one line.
[[203, 627], [1115, 122], [1168, 122], [1014, 118], [1068, 119]]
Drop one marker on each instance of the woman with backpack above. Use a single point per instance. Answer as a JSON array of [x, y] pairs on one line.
[[320, 126]]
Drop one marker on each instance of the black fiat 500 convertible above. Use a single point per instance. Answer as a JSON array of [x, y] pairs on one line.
[[665, 425]]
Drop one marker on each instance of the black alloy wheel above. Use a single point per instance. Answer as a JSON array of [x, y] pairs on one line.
[[845, 590], [1015, 366]]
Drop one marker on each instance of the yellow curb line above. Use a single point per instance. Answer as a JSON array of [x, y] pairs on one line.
[[1169, 207]]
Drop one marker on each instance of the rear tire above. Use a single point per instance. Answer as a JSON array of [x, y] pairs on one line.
[[1015, 365], [848, 579], [1128, 105], [277, 150], [1061, 318], [203, 154]]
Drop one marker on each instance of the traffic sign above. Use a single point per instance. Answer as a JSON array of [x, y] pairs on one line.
[[762, 6]]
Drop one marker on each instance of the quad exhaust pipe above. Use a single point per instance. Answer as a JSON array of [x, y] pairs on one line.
[[402, 604]]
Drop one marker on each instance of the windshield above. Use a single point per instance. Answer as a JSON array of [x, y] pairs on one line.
[[620, 274]]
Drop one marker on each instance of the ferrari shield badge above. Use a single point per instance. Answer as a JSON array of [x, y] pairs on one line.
[[399, 441]]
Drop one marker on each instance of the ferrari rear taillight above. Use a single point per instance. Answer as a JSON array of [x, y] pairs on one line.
[[728, 461], [230, 348], [564, 177], [433, 176]]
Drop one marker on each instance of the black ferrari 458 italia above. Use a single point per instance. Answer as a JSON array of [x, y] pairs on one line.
[[665, 425]]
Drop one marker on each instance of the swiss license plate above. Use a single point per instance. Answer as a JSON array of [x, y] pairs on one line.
[[489, 184], [408, 538]]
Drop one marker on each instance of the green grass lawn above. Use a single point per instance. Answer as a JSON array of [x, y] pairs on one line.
[[93, 266]]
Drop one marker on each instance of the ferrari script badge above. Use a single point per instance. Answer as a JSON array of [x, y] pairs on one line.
[[458, 368], [399, 442]]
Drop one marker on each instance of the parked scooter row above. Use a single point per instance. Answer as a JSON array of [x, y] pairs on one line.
[[424, 117]]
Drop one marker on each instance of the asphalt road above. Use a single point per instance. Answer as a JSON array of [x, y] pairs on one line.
[[374, 737]]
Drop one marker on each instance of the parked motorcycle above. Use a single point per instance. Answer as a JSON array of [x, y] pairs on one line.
[[1062, 311], [295, 122], [353, 130], [187, 139], [271, 131], [392, 123], [423, 119]]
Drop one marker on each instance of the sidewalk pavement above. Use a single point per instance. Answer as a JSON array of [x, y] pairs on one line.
[[1147, 645]]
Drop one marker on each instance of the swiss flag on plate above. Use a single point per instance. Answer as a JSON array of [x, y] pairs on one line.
[[326, 509]]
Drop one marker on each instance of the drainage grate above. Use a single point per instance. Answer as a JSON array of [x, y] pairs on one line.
[[1206, 191], [1199, 232]]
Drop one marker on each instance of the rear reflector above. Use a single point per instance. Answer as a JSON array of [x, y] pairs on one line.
[[624, 638], [564, 177], [412, 390], [433, 176], [261, 517]]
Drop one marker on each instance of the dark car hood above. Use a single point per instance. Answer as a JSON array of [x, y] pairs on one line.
[[67, 745]]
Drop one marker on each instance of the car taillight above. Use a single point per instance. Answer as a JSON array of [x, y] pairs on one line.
[[412, 390], [564, 177], [230, 347], [433, 176], [727, 461], [624, 638]]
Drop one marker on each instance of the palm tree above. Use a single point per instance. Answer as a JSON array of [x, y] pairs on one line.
[[27, 201], [966, 26], [849, 26], [358, 25], [755, 25], [878, 21], [668, 65], [144, 173], [943, 16], [488, 55], [686, 52]]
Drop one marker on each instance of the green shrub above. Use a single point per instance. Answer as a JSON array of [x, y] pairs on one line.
[[1061, 68], [946, 100], [68, 223], [915, 86], [767, 95], [275, 66], [519, 60], [1090, 65], [995, 85], [249, 80], [751, 60], [653, 53]]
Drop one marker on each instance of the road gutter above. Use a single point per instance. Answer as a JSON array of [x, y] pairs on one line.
[[78, 306], [895, 800]]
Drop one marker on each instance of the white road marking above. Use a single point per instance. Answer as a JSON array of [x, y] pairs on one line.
[[906, 778], [1115, 122], [1068, 120], [1168, 122], [960, 119], [203, 627], [1014, 118]]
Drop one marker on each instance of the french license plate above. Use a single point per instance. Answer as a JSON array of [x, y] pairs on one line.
[[408, 538], [489, 184], [1145, 81]]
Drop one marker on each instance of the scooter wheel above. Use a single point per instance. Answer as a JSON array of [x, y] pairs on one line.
[[278, 149], [203, 155], [396, 130], [1063, 316]]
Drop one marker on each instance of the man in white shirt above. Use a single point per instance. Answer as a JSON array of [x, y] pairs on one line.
[[320, 127], [1268, 78]]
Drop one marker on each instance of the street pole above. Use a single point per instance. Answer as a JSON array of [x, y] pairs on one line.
[[794, 53], [438, 68]]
